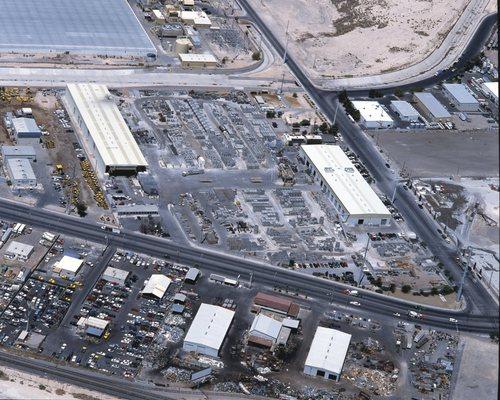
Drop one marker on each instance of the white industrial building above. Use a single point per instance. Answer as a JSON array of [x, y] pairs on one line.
[[265, 327], [18, 251], [137, 210], [327, 353], [354, 200], [115, 275], [27, 152], [373, 115], [208, 330], [67, 266], [93, 326], [197, 60], [198, 19], [431, 107], [21, 173], [405, 111], [460, 96], [25, 128], [104, 134], [156, 286], [490, 89]]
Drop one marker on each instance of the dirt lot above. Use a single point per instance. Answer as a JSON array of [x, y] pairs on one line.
[[329, 37]]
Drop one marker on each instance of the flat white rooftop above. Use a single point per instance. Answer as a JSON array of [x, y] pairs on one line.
[[192, 57], [96, 27], [338, 172], [266, 325], [328, 350], [210, 326], [157, 285], [460, 93], [372, 111], [404, 108], [492, 87], [111, 135], [20, 169], [70, 264]]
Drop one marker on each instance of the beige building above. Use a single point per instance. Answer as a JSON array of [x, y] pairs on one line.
[[198, 19], [190, 60], [183, 45]]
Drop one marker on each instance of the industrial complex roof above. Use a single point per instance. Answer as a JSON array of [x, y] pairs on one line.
[[209, 326], [328, 350], [372, 111], [19, 249], [433, 105], [492, 88], [266, 325], [115, 273], [192, 57], [18, 151], [338, 172], [111, 135], [70, 264], [460, 93], [157, 285], [103, 27], [20, 169], [24, 124], [404, 108]]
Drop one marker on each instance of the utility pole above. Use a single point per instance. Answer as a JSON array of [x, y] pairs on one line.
[[251, 279], [394, 193], [364, 260], [462, 281], [335, 115], [286, 42]]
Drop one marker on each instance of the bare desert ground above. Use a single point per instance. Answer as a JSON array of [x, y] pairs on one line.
[[346, 38]]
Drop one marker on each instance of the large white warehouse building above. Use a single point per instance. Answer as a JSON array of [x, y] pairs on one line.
[[208, 330], [327, 353], [107, 140], [353, 198]]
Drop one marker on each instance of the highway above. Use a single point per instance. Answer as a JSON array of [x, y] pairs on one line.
[[263, 274], [478, 298]]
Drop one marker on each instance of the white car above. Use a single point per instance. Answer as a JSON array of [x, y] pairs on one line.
[[396, 314], [354, 303], [453, 320]]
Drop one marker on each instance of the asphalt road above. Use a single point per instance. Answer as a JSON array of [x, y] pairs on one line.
[[479, 300], [233, 266]]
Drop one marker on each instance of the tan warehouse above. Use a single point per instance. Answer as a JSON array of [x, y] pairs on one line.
[[105, 136]]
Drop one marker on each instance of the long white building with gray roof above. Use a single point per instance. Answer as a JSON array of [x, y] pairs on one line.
[[354, 200], [104, 134]]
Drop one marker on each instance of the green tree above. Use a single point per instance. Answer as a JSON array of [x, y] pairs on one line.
[[270, 114], [406, 288], [81, 209], [256, 55]]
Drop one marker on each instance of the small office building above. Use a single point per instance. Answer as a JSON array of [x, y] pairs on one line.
[[490, 89], [137, 210], [327, 353], [18, 251], [68, 266], [373, 115], [115, 275]]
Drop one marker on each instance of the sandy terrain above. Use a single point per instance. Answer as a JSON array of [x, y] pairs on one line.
[[15, 384], [344, 38]]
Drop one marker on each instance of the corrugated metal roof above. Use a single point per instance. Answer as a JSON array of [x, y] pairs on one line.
[[265, 325], [105, 27], [328, 350], [210, 326], [111, 135], [433, 105], [460, 93], [343, 178], [157, 285]]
